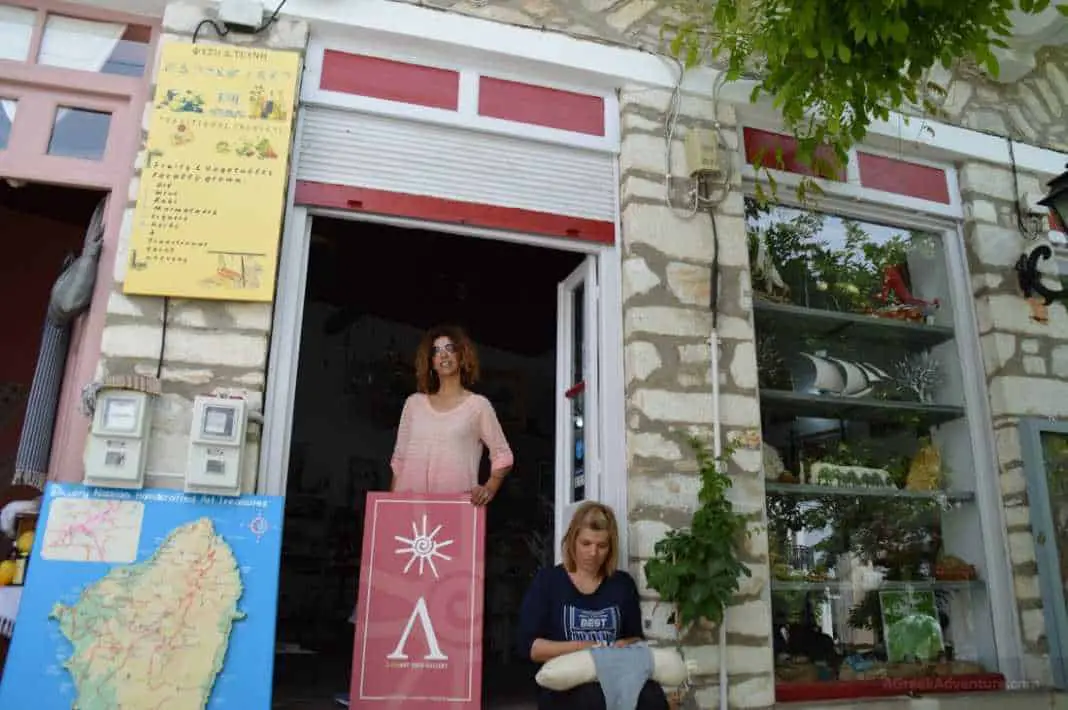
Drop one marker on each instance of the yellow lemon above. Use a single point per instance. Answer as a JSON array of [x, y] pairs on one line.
[[7, 572], [25, 542]]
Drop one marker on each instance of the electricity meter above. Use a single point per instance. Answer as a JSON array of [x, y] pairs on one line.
[[216, 446], [115, 455]]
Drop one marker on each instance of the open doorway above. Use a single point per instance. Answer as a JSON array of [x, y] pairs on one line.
[[371, 292], [40, 227]]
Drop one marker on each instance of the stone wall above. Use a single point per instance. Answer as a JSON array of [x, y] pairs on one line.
[[210, 346], [1029, 109], [1026, 366], [667, 323]]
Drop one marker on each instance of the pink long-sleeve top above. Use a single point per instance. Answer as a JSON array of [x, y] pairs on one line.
[[439, 452]]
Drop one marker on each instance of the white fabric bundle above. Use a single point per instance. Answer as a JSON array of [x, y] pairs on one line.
[[573, 669]]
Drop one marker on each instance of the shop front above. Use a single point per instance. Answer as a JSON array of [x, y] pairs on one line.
[[72, 83], [892, 402]]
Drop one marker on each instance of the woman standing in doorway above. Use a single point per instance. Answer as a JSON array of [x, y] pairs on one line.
[[444, 426]]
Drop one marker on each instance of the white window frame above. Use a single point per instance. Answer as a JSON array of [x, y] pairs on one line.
[[857, 202], [284, 354]]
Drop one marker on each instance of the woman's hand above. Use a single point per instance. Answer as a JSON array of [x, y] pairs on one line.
[[622, 643], [481, 495]]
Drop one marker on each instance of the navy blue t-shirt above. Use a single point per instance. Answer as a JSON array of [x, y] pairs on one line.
[[554, 610]]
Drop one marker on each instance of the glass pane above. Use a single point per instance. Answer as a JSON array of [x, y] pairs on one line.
[[16, 30], [79, 133], [104, 47], [7, 119], [874, 536], [1055, 456], [578, 395]]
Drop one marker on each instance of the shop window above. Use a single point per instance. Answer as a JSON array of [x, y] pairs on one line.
[[16, 32], [79, 133], [104, 47], [1044, 445], [7, 119], [875, 542]]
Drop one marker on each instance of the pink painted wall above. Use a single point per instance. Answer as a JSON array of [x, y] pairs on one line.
[[125, 98]]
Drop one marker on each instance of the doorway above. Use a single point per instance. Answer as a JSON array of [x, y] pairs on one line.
[[371, 291], [41, 226]]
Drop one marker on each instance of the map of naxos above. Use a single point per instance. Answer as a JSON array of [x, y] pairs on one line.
[[147, 600]]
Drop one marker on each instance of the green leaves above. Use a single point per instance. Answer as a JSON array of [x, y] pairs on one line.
[[832, 66], [698, 570]]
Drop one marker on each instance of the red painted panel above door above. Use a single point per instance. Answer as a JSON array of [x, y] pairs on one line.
[[378, 78], [541, 106]]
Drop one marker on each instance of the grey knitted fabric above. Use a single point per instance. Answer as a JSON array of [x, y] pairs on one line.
[[622, 673]]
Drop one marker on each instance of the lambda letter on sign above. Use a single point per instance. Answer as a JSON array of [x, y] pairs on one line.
[[435, 653]]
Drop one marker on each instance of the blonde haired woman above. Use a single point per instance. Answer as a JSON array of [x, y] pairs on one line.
[[581, 604]]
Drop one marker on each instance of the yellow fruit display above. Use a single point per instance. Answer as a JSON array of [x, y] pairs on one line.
[[7, 572], [25, 542]]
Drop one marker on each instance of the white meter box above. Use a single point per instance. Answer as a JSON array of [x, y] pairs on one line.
[[115, 454], [216, 446]]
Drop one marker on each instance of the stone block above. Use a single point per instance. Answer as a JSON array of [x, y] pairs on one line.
[[705, 660], [640, 359], [1032, 624], [216, 348], [998, 349], [676, 490], [655, 619], [182, 17], [993, 245], [1029, 396], [643, 536], [661, 320], [750, 619], [131, 341], [1034, 365], [696, 408], [1021, 548], [981, 211], [665, 231], [648, 154], [1027, 587], [743, 367], [653, 446], [638, 278], [690, 284], [1059, 361], [986, 179]]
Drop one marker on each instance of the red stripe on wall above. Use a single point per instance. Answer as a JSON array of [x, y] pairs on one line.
[[903, 178], [393, 81], [779, 152], [541, 106], [436, 209]]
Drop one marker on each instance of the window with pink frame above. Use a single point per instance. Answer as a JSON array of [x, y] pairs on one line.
[[71, 77]]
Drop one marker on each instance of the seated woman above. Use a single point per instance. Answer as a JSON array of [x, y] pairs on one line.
[[582, 604]]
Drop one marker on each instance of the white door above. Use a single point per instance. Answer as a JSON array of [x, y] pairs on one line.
[[578, 453]]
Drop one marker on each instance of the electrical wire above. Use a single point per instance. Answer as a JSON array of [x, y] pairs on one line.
[[163, 337], [222, 30]]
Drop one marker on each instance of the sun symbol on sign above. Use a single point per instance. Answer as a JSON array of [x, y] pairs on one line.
[[423, 548]]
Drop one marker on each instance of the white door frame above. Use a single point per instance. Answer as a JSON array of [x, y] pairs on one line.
[[288, 319]]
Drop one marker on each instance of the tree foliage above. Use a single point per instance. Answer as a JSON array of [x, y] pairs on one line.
[[832, 66]]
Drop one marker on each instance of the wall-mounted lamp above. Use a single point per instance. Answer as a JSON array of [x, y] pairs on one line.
[[1057, 199], [1027, 273]]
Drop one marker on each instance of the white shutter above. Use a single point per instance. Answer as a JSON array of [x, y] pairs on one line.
[[362, 150]]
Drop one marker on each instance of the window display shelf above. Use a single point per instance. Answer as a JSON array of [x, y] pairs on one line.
[[819, 491], [920, 585], [786, 319], [800, 404]]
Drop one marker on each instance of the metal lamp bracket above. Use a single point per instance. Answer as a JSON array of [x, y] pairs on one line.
[[1030, 279]]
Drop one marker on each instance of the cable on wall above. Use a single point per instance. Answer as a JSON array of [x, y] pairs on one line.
[[221, 30]]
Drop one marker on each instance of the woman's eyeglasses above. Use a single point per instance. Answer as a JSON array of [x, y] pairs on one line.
[[446, 348]]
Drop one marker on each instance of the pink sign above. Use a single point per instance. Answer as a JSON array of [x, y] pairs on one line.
[[419, 616]]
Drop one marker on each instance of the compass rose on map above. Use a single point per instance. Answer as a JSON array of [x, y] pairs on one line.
[[423, 548], [258, 526]]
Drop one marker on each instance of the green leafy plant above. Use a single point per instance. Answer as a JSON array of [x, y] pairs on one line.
[[831, 67], [698, 570]]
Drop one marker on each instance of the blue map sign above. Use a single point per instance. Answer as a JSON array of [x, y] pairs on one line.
[[146, 599]]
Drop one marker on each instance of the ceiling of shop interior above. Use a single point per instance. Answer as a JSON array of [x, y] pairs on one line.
[[424, 278], [63, 204]]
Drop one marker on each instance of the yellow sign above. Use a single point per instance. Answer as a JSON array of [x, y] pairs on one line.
[[209, 212]]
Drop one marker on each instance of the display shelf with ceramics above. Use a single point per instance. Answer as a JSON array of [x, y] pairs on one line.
[[875, 543]]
